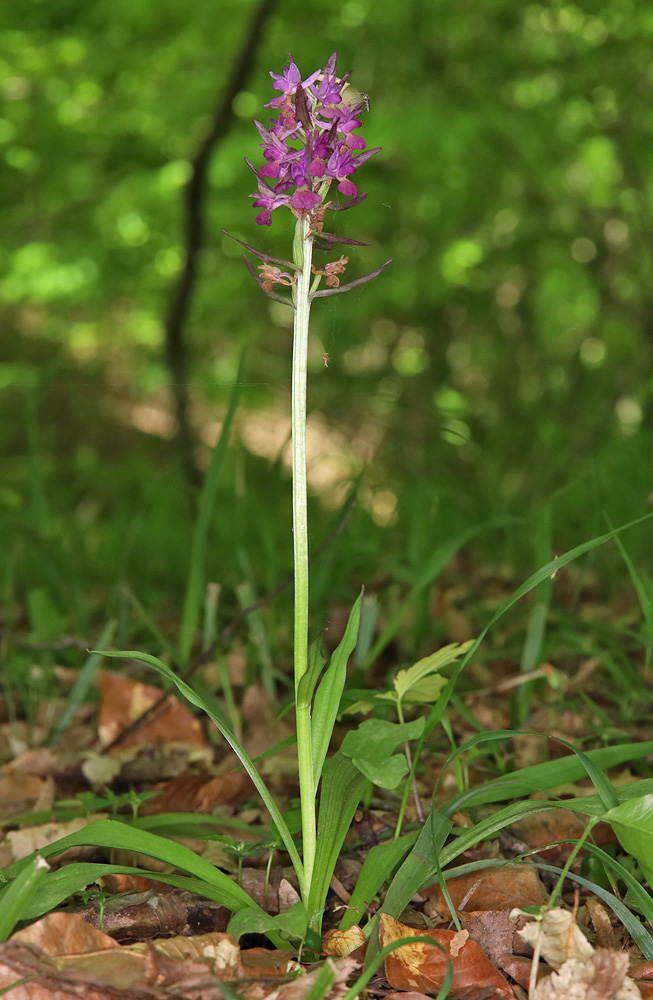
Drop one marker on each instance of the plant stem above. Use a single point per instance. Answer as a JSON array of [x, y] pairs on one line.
[[302, 255]]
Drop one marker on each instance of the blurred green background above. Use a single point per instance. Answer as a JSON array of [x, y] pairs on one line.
[[499, 369]]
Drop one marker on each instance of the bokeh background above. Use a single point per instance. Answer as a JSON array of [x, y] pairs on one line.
[[495, 379]]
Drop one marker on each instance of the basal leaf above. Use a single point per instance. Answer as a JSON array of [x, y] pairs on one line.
[[329, 693]]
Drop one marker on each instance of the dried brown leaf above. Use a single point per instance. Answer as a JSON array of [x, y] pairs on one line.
[[600, 977], [423, 968], [123, 700], [499, 889], [559, 938], [59, 934], [340, 943]]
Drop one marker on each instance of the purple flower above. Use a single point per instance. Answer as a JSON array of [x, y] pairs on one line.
[[311, 143], [339, 165], [288, 82]]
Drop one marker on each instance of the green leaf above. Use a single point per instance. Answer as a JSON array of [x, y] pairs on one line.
[[17, 896], [380, 861], [372, 747], [306, 687], [117, 835], [341, 791], [405, 680], [424, 692], [195, 699], [329, 693], [550, 774], [422, 863], [57, 886], [291, 924], [632, 821], [428, 856]]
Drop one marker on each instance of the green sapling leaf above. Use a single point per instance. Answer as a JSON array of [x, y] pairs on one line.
[[291, 925], [372, 747], [408, 679], [632, 821]]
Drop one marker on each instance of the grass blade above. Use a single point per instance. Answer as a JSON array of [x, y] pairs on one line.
[[550, 774], [82, 683], [206, 507], [239, 749]]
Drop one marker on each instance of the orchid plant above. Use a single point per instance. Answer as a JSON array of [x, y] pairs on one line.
[[311, 146]]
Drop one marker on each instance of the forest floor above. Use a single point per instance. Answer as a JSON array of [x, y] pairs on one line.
[[543, 881]]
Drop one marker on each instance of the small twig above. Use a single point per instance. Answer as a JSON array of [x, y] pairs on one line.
[[175, 348], [226, 633]]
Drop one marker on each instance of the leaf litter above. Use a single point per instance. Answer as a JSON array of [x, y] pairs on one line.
[[130, 936]]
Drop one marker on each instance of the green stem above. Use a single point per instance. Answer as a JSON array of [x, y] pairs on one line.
[[302, 254]]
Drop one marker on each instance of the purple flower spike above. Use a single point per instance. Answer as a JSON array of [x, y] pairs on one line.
[[312, 143]]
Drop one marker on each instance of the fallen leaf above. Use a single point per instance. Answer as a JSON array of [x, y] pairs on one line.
[[558, 936], [40, 761], [64, 934], [497, 889], [607, 936], [288, 895], [123, 700], [301, 987], [198, 793], [545, 828], [600, 977], [340, 943], [494, 932], [407, 995], [582, 973], [18, 793], [423, 968]]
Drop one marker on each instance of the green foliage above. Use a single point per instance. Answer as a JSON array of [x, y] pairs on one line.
[[372, 749], [632, 821]]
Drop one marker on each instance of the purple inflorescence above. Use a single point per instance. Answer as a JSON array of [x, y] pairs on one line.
[[310, 144]]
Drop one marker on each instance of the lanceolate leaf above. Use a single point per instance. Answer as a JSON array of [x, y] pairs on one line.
[[329, 693], [380, 861], [342, 788], [114, 834], [17, 897]]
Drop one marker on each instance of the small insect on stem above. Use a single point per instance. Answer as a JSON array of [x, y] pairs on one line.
[[325, 358]]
